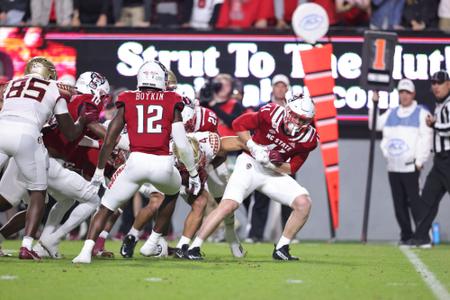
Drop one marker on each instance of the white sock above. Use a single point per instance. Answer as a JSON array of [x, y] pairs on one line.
[[183, 241], [78, 215], [87, 248], [134, 232], [27, 242], [154, 237], [196, 243], [55, 216], [283, 241], [104, 234], [2, 238]]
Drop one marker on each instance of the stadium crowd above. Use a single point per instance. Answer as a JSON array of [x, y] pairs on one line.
[[378, 14]]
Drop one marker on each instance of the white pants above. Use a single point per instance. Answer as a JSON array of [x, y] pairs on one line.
[[24, 143], [63, 184], [141, 168], [249, 175], [217, 181]]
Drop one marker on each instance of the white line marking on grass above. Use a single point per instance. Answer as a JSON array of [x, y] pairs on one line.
[[8, 277], [433, 283], [294, 281], [153, 279]]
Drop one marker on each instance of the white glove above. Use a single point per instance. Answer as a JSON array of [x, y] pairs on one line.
[[98, 179], [195, 185], [258, 152]]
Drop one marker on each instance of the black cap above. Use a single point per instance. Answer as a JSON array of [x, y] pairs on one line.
[[440, 76]]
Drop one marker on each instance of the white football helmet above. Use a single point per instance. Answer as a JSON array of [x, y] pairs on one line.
[[188, 114], [299, 113], [92, 83], [152, 74]]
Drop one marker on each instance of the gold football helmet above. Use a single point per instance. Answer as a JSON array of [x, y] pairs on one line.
[[171, 81], [42, 67]]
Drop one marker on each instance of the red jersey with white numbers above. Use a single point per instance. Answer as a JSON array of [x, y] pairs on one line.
[[55, 140], [205, 120], [267, 127], [149, 116]]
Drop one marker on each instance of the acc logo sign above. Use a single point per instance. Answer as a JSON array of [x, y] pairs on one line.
[[310, 22], [396, 147]]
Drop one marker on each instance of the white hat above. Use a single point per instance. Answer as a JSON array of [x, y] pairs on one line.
[[406, 85], [280, 78]]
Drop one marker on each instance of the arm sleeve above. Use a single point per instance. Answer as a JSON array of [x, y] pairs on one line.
[[424, 140], [61, 107], [443, 129], [184, 149], [297, 161], [248, 121], [381, 119]]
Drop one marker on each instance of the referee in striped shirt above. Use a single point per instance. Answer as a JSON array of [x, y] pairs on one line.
[[438, 180]]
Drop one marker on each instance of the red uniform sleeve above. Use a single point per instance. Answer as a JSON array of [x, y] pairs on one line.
[[211, 121], [121, 99], [247, 121], [297, 161]]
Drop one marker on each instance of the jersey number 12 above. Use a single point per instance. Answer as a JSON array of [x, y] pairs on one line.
[[148, 120]]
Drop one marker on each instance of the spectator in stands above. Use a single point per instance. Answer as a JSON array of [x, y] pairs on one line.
[[436, 184], [216, 95], [13, 12], [205, 13], [353, 12], [420, 14], [131, 13], [386, 14], [280, 86], [174, 12], [330, 8], [245, 14], [92, 12], [41, 11], [444, 15], [284, 10], [406, 145]]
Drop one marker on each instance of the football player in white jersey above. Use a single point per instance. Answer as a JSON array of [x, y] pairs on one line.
[[28, 102]]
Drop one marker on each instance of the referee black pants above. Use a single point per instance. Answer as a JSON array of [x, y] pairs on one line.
[[436, 185], [405, 193]]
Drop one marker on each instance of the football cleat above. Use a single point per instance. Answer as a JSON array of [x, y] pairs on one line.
[[40, 251], [181, 252], [128, 244], [283, 254], [194, 254], [237, 250], [3, 254], [52, 250], [24, 253]]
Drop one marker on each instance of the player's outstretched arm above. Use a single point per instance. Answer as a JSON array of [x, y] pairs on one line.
[[114, 130], [70, 129], [230, 144]]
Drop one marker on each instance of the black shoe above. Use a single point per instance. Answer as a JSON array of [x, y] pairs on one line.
[[417, 243], [128, 244], [283, 254], [194, 254], [181, 252]]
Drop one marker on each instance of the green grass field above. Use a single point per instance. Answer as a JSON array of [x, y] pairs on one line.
[[326, 271]]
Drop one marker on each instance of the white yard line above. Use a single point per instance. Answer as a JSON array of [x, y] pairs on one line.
[[433, 283]]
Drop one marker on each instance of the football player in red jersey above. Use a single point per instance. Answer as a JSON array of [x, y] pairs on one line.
[[152, 117], [281, 142]]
